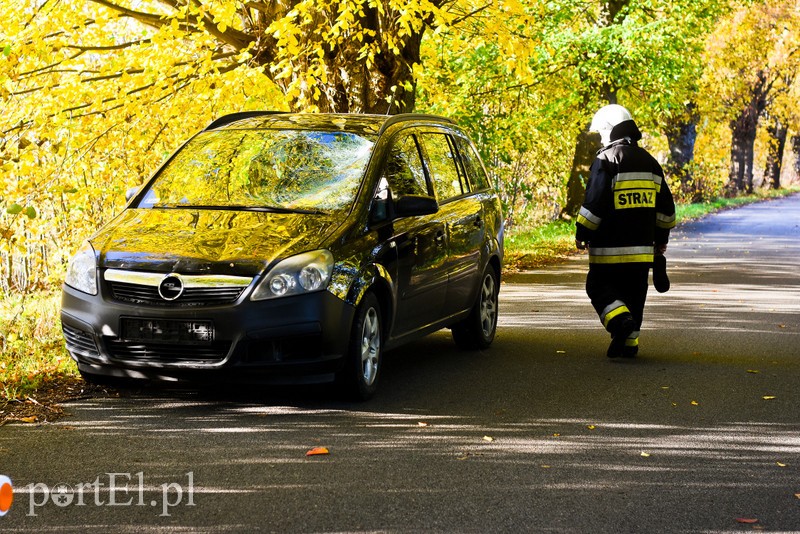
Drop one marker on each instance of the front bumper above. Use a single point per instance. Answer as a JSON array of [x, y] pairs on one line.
[[294, 339]]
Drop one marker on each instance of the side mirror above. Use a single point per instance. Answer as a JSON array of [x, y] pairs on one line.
[[415, 205]]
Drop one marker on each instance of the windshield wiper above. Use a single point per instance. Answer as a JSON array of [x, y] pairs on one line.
[[261, 209]]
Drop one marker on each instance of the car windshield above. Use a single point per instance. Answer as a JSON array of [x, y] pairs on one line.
[[263, 170]]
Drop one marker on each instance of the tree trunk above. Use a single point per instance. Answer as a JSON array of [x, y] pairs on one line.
[[777, 143], [586, 147], [796, 153], [681, 135], [743, 138], [586, 144]]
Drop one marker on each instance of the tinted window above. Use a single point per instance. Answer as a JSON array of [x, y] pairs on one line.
[[445, 172], [472, 163], [404, 170]]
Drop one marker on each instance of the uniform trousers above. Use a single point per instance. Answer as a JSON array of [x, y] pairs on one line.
[[618, 292]]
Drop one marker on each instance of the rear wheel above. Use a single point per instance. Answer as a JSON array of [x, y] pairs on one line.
[[478, 329], [359, 377]]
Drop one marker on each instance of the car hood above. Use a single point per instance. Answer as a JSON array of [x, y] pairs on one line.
[[207, 241]]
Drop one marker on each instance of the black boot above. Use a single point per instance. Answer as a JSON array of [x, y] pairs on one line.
[[619, 335]]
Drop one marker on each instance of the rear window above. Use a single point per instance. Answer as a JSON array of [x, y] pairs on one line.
[[472, 163], [286, 169]]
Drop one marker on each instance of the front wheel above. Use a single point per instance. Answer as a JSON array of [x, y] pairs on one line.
[[359, 377], [478, 329]]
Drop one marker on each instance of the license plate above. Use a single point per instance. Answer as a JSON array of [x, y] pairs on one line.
[[167, 331]]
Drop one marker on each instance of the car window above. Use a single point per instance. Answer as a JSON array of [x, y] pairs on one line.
[[260, 168], [446, 173], [472, 163], [404, 171]]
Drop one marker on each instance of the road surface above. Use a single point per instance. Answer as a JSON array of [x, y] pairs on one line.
[[541, 433]]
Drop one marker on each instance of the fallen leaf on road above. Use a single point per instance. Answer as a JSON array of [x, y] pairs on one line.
[[545, 467], [746, 520], [556, 435], [753, 371], [422, 424], [768, 397], [488, 438], [781, 326], [316, 451], [695, 403], [591, 427], [561, 352], [797, 495], [779, 464], [31, 419], [645, 454]]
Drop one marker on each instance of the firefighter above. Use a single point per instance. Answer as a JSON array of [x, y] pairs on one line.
[[624, 221]]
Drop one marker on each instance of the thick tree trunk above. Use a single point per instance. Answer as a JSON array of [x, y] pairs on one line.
[[586, 144], [681, 135], [743, 138], [796, 153], [777, 143], [586, 147]]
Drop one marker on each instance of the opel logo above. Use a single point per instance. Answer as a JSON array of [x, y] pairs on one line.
[[171, 287]]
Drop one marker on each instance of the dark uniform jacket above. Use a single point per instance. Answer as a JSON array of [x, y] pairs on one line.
[[628, 206]]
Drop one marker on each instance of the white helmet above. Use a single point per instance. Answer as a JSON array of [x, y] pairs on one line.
[[606, 118]]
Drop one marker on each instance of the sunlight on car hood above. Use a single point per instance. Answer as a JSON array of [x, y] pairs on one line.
[[200, 241]]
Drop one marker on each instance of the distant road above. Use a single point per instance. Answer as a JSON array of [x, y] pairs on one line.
[[542, 433]]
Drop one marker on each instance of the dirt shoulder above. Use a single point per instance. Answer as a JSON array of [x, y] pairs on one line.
[[44, 405]]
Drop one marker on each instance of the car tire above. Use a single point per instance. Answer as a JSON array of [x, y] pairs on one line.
[[478, 329], [359, 376]]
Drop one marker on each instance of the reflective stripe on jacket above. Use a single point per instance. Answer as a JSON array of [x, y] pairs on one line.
[[628, 207]]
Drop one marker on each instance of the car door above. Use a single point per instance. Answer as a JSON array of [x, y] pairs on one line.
[[462, 215], [421, 242]]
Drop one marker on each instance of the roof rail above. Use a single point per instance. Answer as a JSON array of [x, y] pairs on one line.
[[233, 117], [400, 117]]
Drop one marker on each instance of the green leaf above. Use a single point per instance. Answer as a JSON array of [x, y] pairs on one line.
[[7, 50], [14, 209], [30, 211]]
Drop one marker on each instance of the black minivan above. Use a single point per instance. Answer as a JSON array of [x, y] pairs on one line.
[[291, 247]]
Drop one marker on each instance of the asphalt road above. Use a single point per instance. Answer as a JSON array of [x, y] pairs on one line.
[[541, 433]]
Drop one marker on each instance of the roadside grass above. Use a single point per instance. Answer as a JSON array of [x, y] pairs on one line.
[[548, 244], [32, 347], [31, 344]]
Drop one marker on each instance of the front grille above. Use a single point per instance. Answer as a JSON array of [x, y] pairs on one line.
[[167, 352], [80, 342], [192, 296], [147, 288]]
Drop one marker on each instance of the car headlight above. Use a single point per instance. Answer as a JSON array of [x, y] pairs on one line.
[[304, 273], [82, 270]]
